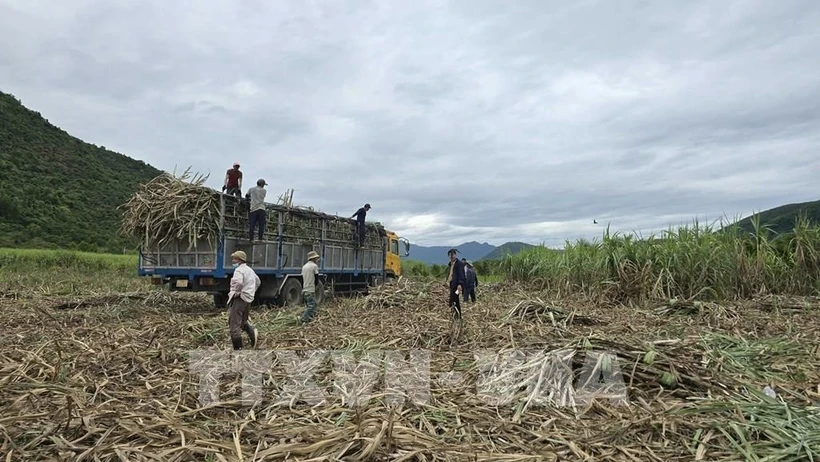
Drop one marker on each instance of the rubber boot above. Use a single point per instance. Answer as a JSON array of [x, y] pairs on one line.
[[252, 333], [237, 343]]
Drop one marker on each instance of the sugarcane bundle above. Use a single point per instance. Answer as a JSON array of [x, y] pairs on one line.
[[170, 208]]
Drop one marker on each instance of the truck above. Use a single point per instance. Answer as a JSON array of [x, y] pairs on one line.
[[346, 266]]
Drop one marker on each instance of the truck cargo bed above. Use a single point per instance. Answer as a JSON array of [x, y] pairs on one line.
[[289, 235]]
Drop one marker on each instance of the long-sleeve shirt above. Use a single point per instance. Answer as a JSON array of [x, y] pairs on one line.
[[456, 276], [257, 198], [470, 277], [360, 215], [244, 283]]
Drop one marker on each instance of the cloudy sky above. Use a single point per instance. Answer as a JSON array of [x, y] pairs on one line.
[[457, 120]]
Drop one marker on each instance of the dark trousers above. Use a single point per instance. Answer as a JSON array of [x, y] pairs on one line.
[[455, 302], [257, 219], [238, 311], [360, 229], [234, 192], [469, 293]]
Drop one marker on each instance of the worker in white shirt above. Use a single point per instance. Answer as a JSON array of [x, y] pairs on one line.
[[244, 285], [310, 272]]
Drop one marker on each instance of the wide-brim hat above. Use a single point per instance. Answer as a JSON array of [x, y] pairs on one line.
[[240, 255], [312, 255]]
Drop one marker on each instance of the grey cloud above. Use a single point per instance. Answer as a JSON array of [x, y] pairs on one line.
[[200, 107], [481, 120]]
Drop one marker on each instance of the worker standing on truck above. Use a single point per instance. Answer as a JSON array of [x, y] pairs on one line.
[[257, 213], [360, 227], [233, 181], [455, 282], [310, 273], [244, 285]]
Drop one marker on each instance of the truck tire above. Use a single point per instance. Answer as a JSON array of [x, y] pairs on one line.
[[320, 293], [220, 300], [291, 293]]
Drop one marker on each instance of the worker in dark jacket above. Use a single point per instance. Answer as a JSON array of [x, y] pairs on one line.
[[455, 282], [360, 216], [470, 279]]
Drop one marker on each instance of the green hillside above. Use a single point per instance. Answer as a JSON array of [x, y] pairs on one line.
[[508, 248], [57, 191], [781, 220]]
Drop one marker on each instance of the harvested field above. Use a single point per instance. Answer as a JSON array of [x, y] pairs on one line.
[[105, 375]]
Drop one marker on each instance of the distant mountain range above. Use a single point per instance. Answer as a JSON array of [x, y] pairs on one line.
[[780, 220], [472, 251]]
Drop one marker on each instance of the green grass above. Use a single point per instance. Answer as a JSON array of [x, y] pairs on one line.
[[487, 270], [64, 272], [27, 259], [694, 262]]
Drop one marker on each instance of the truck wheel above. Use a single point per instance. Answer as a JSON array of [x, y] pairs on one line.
[[291, 293], [220, 300], [320, 293]]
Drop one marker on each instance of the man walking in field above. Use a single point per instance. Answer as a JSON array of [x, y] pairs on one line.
[[257, 215], [360, 216], [455, 282], [470, 279], [244, 285], [233, 181], [310, 273]]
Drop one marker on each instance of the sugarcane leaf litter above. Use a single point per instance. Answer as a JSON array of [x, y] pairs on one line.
[[102, 372]]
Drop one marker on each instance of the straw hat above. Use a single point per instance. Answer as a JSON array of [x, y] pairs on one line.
[[313, 255], [240, 255]]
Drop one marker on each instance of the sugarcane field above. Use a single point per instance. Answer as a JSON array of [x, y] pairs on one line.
[[699, 345]]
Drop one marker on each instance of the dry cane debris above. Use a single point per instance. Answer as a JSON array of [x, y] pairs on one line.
[[113, 381]]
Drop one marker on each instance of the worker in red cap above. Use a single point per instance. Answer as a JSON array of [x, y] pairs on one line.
[[233, 181]]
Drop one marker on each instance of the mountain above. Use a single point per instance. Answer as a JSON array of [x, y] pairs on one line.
[[438, 254], [508, 248], [473, 251], [58, 191], [782, 219]]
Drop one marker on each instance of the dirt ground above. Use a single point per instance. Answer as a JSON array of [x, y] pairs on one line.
[[109, 377]]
